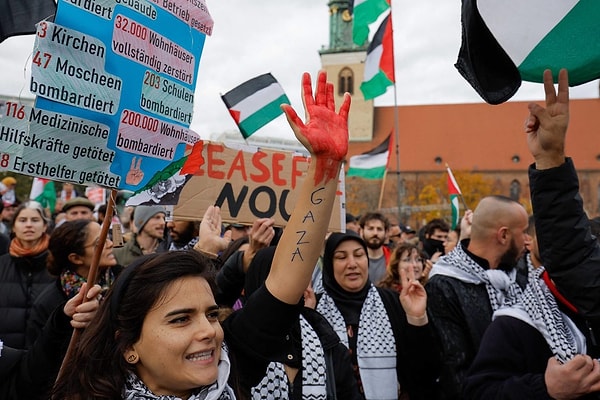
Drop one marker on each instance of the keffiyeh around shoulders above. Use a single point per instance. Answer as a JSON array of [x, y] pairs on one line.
[[135, 389], [538, 308], [501, 286]]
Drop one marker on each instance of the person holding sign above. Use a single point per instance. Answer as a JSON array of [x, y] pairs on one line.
[[158, 333]]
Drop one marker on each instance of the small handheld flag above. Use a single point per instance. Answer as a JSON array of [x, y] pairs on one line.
[[42, 191], [255, 103], [454, 193]]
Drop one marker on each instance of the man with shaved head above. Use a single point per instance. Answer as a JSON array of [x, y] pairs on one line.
[[467, 285]]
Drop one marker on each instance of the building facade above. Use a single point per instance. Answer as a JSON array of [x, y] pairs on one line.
[[477, 138]]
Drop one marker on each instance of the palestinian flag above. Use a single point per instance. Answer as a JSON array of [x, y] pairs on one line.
[[365, 12], [454, 193], [379, 65], [43, 191], [373, 163], [255, 103], [505, 42]]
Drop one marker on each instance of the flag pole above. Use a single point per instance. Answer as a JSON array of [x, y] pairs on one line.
[[381, 190], [93, 272], [400, 187]]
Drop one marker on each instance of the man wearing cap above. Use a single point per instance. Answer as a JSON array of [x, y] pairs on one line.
[[78, 208], [149, 224], [408, 233]]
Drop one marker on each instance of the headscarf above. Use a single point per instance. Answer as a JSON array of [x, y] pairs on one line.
[[349, 303]]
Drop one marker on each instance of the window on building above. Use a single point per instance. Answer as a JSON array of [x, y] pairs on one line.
[[346, 81], [515, 190]]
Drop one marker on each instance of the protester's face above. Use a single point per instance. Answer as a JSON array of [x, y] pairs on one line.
[[155, 227], [29, 226], [107, 259], [350, 266], [8, 213], [516, 247], [180, 344], [353, 226], [395, 234], [181, 231], [239, 232], [438, 234], [411, 259], [450, 242], [79, 212], [374, 233]]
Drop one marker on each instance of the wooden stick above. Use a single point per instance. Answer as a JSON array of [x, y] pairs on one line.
[[93, 272]]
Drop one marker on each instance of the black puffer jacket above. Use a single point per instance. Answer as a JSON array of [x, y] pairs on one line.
[[22, 279], [29, 374]]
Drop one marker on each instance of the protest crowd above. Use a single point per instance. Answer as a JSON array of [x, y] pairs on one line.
[[505, 306]]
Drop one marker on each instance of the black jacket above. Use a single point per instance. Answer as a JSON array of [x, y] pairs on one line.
[[28, 375], [50, 298], [510, 364], [460, 313], [256, 350], [569, 252], [22, 279], [254, 337]]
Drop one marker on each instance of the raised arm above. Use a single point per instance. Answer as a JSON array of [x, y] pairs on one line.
[[325, 136], [569, 252]]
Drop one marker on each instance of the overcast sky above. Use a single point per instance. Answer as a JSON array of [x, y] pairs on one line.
[[284, 36]]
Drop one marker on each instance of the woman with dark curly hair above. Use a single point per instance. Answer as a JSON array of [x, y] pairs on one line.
[[71, 250]]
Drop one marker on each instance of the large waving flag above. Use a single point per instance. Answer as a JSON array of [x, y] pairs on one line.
[[43, 191], [255, 103], [505, 42], [379, 65], [454, 193], [365, 12], [18, 17], [373, 163]]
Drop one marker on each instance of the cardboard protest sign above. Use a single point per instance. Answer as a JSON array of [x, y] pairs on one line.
[[115, 85], [247, 183]]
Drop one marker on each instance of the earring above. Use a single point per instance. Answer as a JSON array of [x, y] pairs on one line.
[[132, 358]]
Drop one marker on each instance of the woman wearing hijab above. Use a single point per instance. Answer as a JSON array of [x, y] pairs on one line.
[[387, 334], [23, 274]]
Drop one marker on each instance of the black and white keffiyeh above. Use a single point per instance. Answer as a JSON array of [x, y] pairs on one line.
[[500, 285], [538, 308], [135, 389], [375, 345], [275, 385]]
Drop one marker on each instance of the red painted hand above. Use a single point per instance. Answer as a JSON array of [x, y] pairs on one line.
[[325, 133]]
